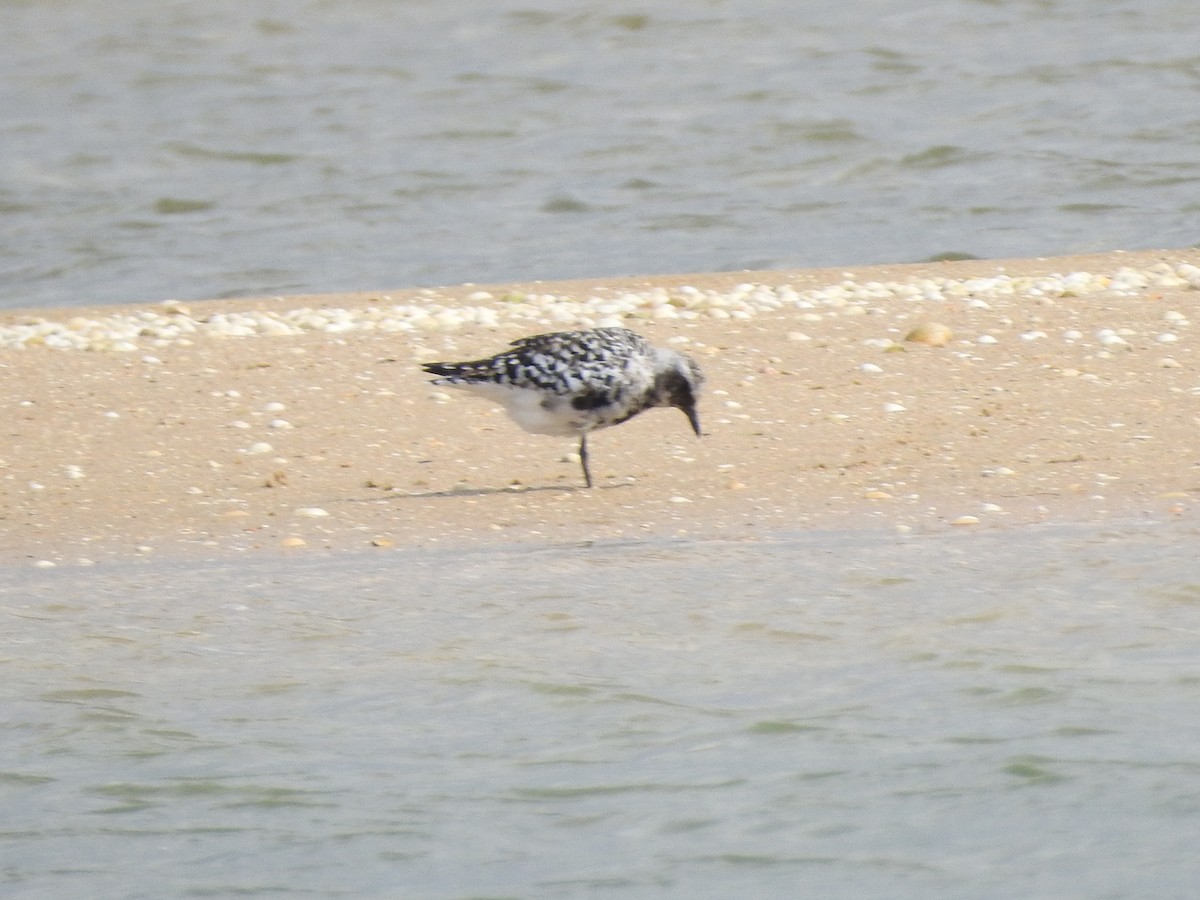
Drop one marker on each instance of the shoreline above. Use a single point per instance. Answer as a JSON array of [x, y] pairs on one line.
[[1053, 400]]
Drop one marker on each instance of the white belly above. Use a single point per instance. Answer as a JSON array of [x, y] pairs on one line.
[[536, 411]]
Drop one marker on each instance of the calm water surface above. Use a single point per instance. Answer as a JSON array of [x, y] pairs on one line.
[[164, 149], [1008, 714]]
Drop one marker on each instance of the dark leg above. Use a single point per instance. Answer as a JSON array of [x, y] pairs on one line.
[[587, 476]]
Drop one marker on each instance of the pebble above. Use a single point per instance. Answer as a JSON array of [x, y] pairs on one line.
[[174, 323], [932, 334], [311, 512]]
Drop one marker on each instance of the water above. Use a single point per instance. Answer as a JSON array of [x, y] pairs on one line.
[[1006, 714], [223, 148]]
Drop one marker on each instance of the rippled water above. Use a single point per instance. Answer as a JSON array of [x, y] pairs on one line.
[[1007, 714], [220, 148]]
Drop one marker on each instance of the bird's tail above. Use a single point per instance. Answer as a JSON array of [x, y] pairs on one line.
[[441, 368]]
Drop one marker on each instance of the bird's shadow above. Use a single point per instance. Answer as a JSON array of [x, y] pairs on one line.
[[489, 492], [394, 494]]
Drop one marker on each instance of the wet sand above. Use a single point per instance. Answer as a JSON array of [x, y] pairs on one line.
[[1077, 409]]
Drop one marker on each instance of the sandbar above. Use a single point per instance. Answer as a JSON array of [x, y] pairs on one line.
[[1031, 408]]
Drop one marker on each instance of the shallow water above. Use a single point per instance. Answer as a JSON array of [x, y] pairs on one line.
[[1006, 714], [216, 149]]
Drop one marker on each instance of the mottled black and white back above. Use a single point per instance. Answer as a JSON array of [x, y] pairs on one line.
[[574, 382]]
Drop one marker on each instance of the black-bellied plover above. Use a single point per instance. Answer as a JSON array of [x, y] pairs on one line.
[[573, 382]]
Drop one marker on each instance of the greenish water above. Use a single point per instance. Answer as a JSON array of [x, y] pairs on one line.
[[187, 150], [999, 714]]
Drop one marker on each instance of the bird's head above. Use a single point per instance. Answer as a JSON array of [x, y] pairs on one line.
[[678, 384]]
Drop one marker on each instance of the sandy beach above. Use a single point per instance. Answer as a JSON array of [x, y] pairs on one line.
[[1028, 408]]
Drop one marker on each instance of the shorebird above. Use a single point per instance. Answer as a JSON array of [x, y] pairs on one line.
[[574, 382]]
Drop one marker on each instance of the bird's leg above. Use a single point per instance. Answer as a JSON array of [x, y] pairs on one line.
[[583, 459]]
